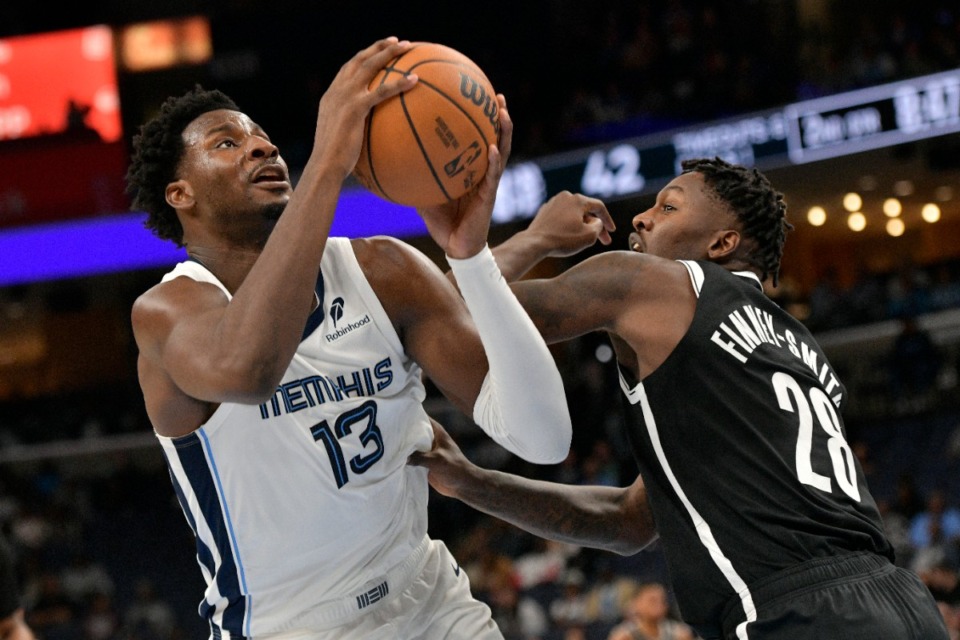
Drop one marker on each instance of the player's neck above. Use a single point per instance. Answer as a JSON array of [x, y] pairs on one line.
[[230, 267]]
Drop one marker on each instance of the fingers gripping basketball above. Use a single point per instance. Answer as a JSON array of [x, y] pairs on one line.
[[428, 145]]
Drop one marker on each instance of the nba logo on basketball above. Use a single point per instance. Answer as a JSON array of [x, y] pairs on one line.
[[462, 161]]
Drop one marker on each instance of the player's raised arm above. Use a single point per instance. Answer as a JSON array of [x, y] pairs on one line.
[[521, 403]]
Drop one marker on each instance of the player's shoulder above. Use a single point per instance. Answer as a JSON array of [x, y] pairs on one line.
[[386, 254], [173, 297], [622, 259], [640, 272], [380, 248]]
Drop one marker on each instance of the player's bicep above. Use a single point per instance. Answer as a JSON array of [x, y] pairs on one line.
[[587, 297], [431, 318], [446, 345]]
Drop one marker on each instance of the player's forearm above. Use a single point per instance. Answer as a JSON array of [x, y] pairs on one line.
[[520, 253], [522, 404], [591, 516], [265, 320]]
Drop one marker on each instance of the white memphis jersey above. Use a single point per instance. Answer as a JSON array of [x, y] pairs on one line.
[[308, 497]]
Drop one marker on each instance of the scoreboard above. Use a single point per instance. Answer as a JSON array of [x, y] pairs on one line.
[[799, 133]]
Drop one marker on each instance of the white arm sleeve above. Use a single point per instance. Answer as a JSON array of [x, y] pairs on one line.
[[522, 404]]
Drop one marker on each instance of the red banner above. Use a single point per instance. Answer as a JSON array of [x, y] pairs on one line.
[[61, 148]]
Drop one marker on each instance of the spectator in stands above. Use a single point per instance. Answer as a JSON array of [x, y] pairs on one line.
[[935, 533], [49, 611], [600, 467], [478, 557], [951, 617], [945, 289], [908, 292], [944, 583], [569, 610], [865, 298], [915, 362], [647, 617], [148, 617], [897, 528], [610, 592], [544, 563], [84, 578], [102, 621], [575, 632], [826, 303], [518, 616], [907, 500]]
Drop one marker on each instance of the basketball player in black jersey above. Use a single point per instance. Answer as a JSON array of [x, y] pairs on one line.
[[735, 420]]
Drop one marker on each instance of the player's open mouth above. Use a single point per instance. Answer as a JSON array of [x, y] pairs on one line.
[[635, 244], [270, 174]]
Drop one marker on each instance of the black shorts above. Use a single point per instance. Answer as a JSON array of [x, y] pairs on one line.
[[861, 596]]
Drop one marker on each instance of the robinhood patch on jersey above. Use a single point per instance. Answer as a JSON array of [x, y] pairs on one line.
[[346, 328]]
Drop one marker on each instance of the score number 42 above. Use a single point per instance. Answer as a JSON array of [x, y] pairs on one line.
[[613, 172]]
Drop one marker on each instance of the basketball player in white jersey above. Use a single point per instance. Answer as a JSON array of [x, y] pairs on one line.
[[281, 370]]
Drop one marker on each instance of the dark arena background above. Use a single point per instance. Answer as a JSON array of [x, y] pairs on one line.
[[852, 108]]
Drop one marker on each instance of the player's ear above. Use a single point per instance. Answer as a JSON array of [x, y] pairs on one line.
[[179, 194], [724, 243]]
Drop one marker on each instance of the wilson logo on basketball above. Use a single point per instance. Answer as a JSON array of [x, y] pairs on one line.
[[475, 93]]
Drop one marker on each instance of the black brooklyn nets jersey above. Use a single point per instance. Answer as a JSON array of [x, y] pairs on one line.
[[741, 445]]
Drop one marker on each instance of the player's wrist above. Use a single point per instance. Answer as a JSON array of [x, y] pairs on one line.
[[469, 258], [535, 244]]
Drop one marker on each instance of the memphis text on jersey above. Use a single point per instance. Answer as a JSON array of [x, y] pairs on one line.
[[747, 328], [311, 391]]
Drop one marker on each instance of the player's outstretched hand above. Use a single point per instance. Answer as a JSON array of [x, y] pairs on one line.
[[348, 100], [460, 227], [568, 223], [447, 466]]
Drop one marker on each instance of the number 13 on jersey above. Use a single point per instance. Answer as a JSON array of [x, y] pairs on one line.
[[371, 439]]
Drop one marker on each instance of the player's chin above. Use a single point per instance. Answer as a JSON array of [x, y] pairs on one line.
[[274, 210]]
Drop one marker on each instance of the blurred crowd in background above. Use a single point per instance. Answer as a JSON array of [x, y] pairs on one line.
[[102, 548]]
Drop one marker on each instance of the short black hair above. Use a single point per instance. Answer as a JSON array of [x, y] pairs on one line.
[[760, 208], [157, 150]]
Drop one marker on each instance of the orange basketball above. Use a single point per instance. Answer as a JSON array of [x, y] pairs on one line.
[[428, 145]]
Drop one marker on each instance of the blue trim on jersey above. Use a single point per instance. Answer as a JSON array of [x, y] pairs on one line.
[[316, 318], [205, 481], [204, 555]]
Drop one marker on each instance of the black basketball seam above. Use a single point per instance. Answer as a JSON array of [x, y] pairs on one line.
[[423, 152], [389, 67], [369, 152]]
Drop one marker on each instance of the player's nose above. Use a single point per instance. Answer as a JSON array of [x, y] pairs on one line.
[[261, 148], [642, 222]]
